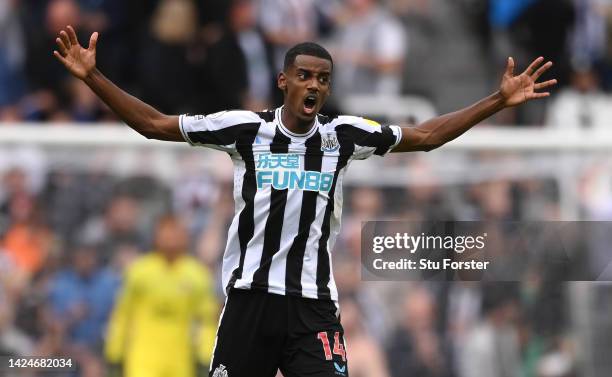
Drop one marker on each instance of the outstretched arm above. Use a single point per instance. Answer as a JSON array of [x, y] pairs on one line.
[[81, 62], [514, 90]]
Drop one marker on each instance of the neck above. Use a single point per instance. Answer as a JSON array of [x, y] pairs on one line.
[[295, 124], [169, 258]]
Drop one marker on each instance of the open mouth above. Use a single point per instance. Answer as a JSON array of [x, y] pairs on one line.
[[309, 103]]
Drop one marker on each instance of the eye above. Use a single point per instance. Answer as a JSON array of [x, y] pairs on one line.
[[301, 75], [324, 79]]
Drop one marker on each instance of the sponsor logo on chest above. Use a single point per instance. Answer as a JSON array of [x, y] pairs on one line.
[[282, 171]]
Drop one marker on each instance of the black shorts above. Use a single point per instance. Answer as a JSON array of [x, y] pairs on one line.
[[260, 333]]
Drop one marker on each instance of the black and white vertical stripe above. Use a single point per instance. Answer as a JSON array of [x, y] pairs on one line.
[[281, 240], [274, 222]]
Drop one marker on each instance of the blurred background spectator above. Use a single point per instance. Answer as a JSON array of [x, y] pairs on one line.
[[416, 348], [240, 66], [164, 293], [492, 347], [370, 48], [12, 56], [79, 301], [583, 104]]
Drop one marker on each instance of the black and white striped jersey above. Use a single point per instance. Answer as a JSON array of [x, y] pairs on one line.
[[287, 193]]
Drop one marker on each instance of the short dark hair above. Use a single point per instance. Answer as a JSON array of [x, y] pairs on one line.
[[306, 48]]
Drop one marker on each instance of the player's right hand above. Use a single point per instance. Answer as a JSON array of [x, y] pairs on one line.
[[78, 60]]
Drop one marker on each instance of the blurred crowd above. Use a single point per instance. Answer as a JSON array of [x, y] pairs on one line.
[[209, 55], [69, 239]]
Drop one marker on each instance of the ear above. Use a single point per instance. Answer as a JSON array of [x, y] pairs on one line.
[[282, 82]]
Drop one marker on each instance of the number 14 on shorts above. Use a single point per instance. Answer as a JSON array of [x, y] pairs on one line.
[[338, 346]]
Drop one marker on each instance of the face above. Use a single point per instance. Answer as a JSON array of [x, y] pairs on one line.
[[171, 238], [84, 261], [306, 85], [242, 15]]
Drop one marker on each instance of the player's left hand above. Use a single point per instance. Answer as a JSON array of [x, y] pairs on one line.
[[525, 87]]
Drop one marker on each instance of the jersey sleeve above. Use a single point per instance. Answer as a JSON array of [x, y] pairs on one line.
[[218, 131], [371, 138]]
